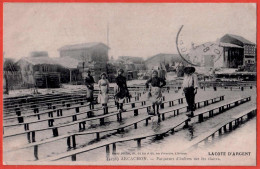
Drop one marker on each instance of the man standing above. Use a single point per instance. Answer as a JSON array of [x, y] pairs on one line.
[[89, 82], [190, 86]]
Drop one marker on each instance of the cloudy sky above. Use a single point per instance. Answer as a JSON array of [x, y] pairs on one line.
[[134, 29]]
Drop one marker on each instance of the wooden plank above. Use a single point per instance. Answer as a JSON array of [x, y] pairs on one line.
[[220, 125], [138, 120], [78, 151]]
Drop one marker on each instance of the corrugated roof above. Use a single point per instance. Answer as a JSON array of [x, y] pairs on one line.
[[222, 44], [67, 62], [82, 45], [241, 39]]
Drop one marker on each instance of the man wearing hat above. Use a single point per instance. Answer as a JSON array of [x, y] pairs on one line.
[[122, 90], [89, 82], [190, 86]]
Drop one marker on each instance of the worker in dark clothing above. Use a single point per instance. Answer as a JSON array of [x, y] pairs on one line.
[[190, 86], [121, 90], [89, 82], [155, 94]]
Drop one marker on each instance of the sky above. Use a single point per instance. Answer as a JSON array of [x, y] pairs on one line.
[[139, 29]]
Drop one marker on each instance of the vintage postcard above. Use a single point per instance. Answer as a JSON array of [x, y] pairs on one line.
[[130, 84]]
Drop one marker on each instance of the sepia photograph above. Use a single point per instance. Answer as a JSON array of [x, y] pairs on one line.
[[130, 84]]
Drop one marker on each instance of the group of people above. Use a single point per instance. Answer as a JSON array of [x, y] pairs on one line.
[[153, 87], [121, 91]]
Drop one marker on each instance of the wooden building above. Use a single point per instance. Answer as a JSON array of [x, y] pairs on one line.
[[164, 58], [91, 56], [86, 52], [68, 69], [248, 48], [39, 71], [231, 51], [217, 54]]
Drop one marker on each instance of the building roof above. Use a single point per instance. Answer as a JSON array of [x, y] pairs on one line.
[[67, 62], [222, 44], [39, 60], [82, 46], [241, 39], [164, 57]]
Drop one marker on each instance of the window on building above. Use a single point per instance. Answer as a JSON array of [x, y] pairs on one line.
[[226, 53]]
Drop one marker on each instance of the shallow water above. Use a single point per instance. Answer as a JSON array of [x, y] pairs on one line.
[[172, 143]]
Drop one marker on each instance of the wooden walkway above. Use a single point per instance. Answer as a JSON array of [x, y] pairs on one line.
[[183, 120], [71, 138]]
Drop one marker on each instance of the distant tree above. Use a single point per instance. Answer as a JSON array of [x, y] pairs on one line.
[[9, 65]]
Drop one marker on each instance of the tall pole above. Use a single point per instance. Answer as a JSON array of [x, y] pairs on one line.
[[107, 45], [108, 34]]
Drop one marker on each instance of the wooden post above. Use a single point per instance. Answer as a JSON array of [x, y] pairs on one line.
[[135, 125], [50, 114], [55, 132], [146, 121], [225, 128], [163, 117], [139, 143], [98, 136], [133, 105], [219, 110], [230, 126], [60, 112], [26, 126], [114, 148], [36, 152], [74, 118], [201, 118], [20, 120], [29, 137], [162, 106], [77, 109], [136, 112], [220, 131], [102, 121], [68, 142], [33, 136], [50, 122], [107, 151], [74, 157], [74, 141]]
